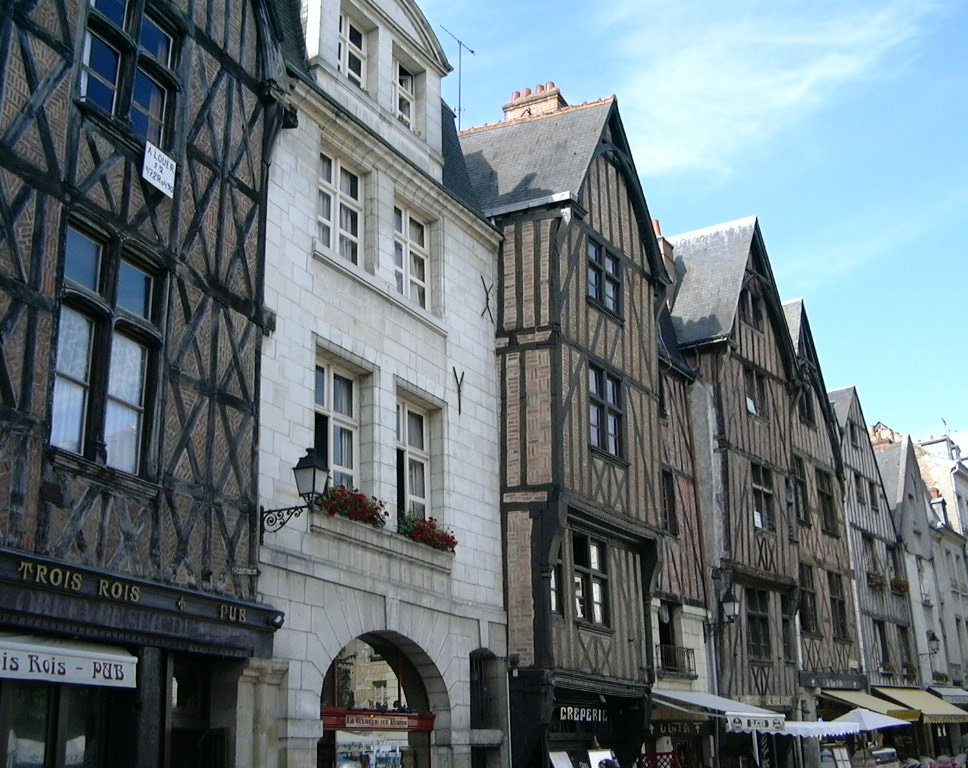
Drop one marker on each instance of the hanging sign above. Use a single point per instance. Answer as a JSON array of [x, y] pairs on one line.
[[159, 169]]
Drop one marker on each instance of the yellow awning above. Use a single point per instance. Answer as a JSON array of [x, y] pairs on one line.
[[873, 703], [933, 708]]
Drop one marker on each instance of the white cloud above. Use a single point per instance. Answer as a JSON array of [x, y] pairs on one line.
[[700, 83]]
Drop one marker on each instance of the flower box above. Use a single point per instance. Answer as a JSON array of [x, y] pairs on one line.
[[426, 531], [354, 505], [899, 585], [875, 580]]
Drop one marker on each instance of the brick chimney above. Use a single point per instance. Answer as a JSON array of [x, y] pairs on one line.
[[544, 100]]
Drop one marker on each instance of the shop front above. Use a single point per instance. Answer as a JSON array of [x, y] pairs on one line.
[[98, 670], [590, 727]]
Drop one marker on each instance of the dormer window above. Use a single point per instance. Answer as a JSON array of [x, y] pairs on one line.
[[406, 95], [352, 51]]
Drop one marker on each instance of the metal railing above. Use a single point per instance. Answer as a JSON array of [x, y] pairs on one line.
[[675, 659]]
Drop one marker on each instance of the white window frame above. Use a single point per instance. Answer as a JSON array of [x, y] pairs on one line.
[[403, 96], [764, 508], [407, 250], [348, 48], [323, 406], [330, 231], [414, 455]]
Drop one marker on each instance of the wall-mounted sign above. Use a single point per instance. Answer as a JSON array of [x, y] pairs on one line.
[[679, 728], [159, 169], [31, 658], [843, 680]]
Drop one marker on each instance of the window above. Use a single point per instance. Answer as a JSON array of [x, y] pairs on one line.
[[605, 410], [413, 460], [883, 647], [825, 499], [410, 257], [406, 95], [853, 432], [352, 51], [556, 602], [805, 408], [604, 277], [751, 308], [838, 605], [591, 579], [337, 426], [874, 497], [787, 610], [798, 490], [764, 515], [871, 560], [755, 383], [127, 66], [663, 401], [339, 209], [758, 623], [670, 521], [860, 488], [808, 600], [107, 337], [904, 644]]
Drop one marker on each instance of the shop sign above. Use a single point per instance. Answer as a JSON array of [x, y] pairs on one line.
[[841, 680], [378, 722], [583, 714], [740, 722], [678, 728], [70, 664]]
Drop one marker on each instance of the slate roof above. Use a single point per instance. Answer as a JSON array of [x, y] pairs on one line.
[[793, 310], [889, 458], [290, 28], [840, 399], [521, 162], [456, 179], [710, 269]]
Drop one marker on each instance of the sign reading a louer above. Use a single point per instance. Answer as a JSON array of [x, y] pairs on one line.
[[24, 658], [159, 169]]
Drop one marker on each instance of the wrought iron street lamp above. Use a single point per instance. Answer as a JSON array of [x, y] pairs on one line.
[[312, 477], [728, 609]]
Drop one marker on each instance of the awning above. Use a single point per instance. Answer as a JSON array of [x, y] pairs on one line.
[[740, 718], [818, 729], [933, 709], [873, 703], [26, 657], [951, 695]]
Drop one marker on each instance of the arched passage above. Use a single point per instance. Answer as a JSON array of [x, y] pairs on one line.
[[381, 703]]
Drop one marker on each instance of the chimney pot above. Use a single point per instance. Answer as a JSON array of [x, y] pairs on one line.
[[550, 85], [539, 88], [527, 92], [516, 95]]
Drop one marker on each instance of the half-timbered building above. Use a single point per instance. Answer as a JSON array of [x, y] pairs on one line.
[[829, 652], [134, 139], [576, 289], [380, 277], [732, 328], [880, 564]]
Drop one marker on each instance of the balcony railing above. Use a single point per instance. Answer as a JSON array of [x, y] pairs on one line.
[[675, 660]]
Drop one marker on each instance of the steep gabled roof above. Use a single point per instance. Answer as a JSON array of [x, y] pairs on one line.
[[841, 399], [710, 271], [519, 163], [456, 180], [794, 312]]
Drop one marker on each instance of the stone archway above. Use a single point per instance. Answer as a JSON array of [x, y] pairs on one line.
[[382, 702]]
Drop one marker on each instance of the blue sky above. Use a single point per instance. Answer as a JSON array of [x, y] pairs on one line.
[[842, 125]]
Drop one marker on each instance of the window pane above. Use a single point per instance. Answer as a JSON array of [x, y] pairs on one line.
[[82, 259], [419, 294], [74, 345], [134, 289], [417, 485], [122, 434], [398, 255], [326, 168], [85, 721], [101, 73], [27, 729], [320, 386], [348, 220], [415, 427], [416, 232], [113, 9], [342, 395], [343, 447], [397, 220], [126, 381], [356, 36], [67, 421], [155, 40], [598, 598], [347, 249], [148, 112], [417, 267], [349, 184]]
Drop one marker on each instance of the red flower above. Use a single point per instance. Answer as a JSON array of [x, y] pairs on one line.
[[357, 506]]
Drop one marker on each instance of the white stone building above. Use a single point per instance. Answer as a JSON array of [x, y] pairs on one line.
[[379, 271]]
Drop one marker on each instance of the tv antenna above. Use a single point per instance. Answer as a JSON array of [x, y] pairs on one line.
[[460, 52]]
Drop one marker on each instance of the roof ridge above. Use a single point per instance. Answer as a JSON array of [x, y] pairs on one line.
[[744, 221], [533, 118]]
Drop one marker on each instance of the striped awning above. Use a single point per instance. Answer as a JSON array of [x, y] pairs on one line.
[[933, 708], [873, 703]]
